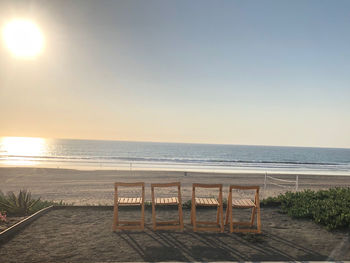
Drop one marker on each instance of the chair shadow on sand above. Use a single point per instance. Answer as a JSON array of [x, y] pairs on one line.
[[204, 246]]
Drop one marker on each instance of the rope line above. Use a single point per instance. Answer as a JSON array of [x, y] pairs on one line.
[[282, 180], [284, 186]]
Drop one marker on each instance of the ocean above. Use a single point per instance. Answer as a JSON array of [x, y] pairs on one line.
[[96, 154]]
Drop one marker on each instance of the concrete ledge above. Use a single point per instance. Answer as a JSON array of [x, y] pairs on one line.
[[224, 262], [97, 207], [6, 234]]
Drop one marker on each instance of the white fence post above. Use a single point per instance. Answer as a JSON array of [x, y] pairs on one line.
[[297, 183]]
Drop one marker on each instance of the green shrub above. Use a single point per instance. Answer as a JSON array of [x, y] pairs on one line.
[[187, 204], [23, 203], [20, 204], [330, 208]]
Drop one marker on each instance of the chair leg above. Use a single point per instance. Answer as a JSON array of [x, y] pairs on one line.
[[221, 218], [231, 219], [154, 216], [218, 215], [258, 220], [143, 216], [252, 216], [194, 219], [191, 215], [181, 222], [229, 201], [115, 218]]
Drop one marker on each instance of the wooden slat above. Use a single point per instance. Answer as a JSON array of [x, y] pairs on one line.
[[127, 200], [129, 184], [166, 184], [206, 201], [243, 203], [207, 185], [167, 200], [244, 187]]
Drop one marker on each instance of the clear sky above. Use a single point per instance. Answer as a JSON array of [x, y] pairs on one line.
[[233, 72]]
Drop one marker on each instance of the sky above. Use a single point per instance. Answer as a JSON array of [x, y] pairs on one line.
[[228, 72]]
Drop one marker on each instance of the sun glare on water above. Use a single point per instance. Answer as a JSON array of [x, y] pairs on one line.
[[23, 38], [18, 149]]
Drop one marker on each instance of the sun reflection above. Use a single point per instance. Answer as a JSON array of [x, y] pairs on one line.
[[18, 149]]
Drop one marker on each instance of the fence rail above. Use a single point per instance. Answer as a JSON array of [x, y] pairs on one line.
[[283, 183]]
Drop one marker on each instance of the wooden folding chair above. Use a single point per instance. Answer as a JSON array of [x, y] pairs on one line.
[[176, 224], [134, 201], [219, 223], [244, 204]]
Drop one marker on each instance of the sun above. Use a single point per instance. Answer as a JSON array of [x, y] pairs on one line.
[[23, 38]]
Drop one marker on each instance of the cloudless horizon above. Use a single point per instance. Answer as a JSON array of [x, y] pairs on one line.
[[25, 138], [216, 72]]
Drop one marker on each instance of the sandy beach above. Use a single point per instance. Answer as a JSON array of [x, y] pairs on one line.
[[96, 187], [84, 235]]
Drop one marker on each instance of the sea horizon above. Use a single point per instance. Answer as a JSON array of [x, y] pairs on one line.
[[169, 142], [172, 156]]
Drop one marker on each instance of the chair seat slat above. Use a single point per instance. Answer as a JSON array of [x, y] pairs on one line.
[[167, 200], [243, 203], [124, 200], [206, 201]]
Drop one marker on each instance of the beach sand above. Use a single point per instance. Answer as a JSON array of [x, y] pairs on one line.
[[85, 235], [96, 187]]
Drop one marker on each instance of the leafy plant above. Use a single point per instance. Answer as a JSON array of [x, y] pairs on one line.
[[23, 203], [187, 204], [330, 208], [20, 204]]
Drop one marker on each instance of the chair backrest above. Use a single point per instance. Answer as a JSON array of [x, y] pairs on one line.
[[136, 184], [196, 185], [246, 187], [163, 185]]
